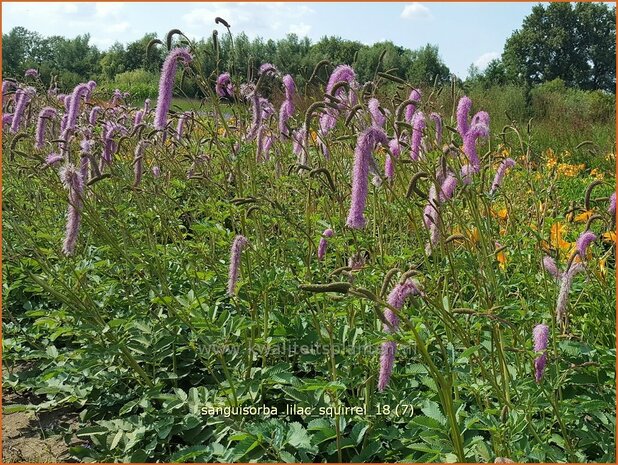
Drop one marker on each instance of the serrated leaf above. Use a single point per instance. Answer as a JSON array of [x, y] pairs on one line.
[[432, 410]]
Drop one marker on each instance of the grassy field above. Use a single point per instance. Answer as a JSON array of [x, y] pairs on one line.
[[157, 351]]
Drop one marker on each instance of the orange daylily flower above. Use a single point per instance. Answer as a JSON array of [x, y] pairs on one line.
[[609, 236], [583, 217]]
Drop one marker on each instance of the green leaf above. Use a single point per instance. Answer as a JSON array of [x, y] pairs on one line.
[[432, 410]]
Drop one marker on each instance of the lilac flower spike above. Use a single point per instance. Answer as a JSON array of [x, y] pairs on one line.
[[565, 287], [418, 126], [540, 336], [377, 118], [324, 243], [469, 147], [23, 97], [340, 74], [365, 145], [437, 119], [72, 180], [52, 159], [506, 164], [45, 114], [33, 73], [463, 110], [224, 87], [396, 299], [583, 242], [166, 84], [389, 166], [237, 246], [448, 187], [612, 205], [138, 161], [92, 117], [7, 119], [411, 108], [181, 124], [80, 91], [550, 266], [287, 107], [267, 68]]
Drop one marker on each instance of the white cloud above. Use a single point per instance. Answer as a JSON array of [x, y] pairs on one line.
[[416, 10], [255, 19], [119, 27], [106, 9], [301, 29], [482, 61]]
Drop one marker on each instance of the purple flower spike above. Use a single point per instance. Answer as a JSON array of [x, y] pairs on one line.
[[437, 119], [138, 118], [365, 145], [290, 86], [80, 91], [52, 159], [411, 108], [396, 299], [224, 87], [463, 110], [448, 187], [377, 117], [482, 117], [506, 164], [7, 119], [469, 148], [550, 266], [287, 107], [565, 287], [540, 337], [324, 243], [389, 165], [267, 68], [583, 242], [138, 161], [23, 97], [181, 124], [33, 73], [166, 84], [237, 246], [387, 360], [418, 126], [72, 181], [612, 205], [92, 117], [45, 114], [343, 73]]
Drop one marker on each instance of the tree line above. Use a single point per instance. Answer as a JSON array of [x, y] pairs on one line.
[[571, 42]]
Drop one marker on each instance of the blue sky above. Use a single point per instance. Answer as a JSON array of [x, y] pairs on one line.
[[465, 32]]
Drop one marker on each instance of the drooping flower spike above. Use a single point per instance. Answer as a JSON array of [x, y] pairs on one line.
[[418, 127], [463, 111], [240, 242], [363, 158], [397, 297], [72, 181], [223, 86], [166, 84], [506, 164], [324, 243], [415, 95], [540, 337], [44, 115]]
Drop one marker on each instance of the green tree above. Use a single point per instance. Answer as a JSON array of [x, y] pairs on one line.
[[574, 43], [427, 67]]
